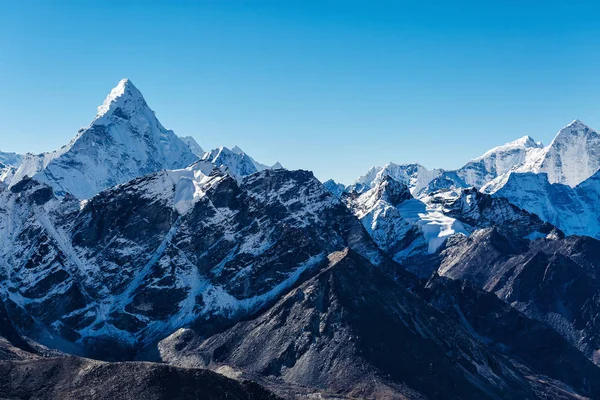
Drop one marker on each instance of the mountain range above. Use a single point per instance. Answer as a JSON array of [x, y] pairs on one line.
[[132, 262]]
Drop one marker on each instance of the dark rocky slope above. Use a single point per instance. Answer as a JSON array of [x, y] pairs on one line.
[[556, 281], [527, 341], [135, 263], [354, 331], [62, 378]]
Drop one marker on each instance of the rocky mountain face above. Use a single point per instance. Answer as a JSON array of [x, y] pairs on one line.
[[12, 345], [551, 280], [80, 378], [197, 248], [336, 189], [524, 340], [383, 212], [476, 210], [353, 331], [26, 372], [163, 251]]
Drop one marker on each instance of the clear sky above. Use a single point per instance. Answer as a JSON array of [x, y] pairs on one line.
[[330, 86]]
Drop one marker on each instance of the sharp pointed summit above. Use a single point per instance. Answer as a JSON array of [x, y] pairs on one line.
[[125, 96], [575, 128], [124, 141]]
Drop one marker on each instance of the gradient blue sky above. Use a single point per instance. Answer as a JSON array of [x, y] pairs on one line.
[[331, 86]]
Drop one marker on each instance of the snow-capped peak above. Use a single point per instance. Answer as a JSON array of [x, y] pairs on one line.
[[497, 161], [415, 176], [528, 141], [124, 96], [124, 141], [576, 123], [575, 128], [336, 189], [238, 162], [525, 142], [572, 157], [237, 165]]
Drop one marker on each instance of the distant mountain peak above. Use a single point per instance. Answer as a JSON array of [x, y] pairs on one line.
[[333, 187], [575, 128], [577, 122], [237, 150], [414, 175], [572, 157], [193, 145], [524, 142], [527, 141]]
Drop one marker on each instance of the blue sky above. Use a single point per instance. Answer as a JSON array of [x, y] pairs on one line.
[[330, 86]]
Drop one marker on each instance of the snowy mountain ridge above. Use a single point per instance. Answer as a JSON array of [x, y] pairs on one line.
[[498, 161], [572, 157], [524, 142], [408, 228], [124, 141], [415, 176], [10, 159], [9, 163], [235, 161], [574, 210]]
